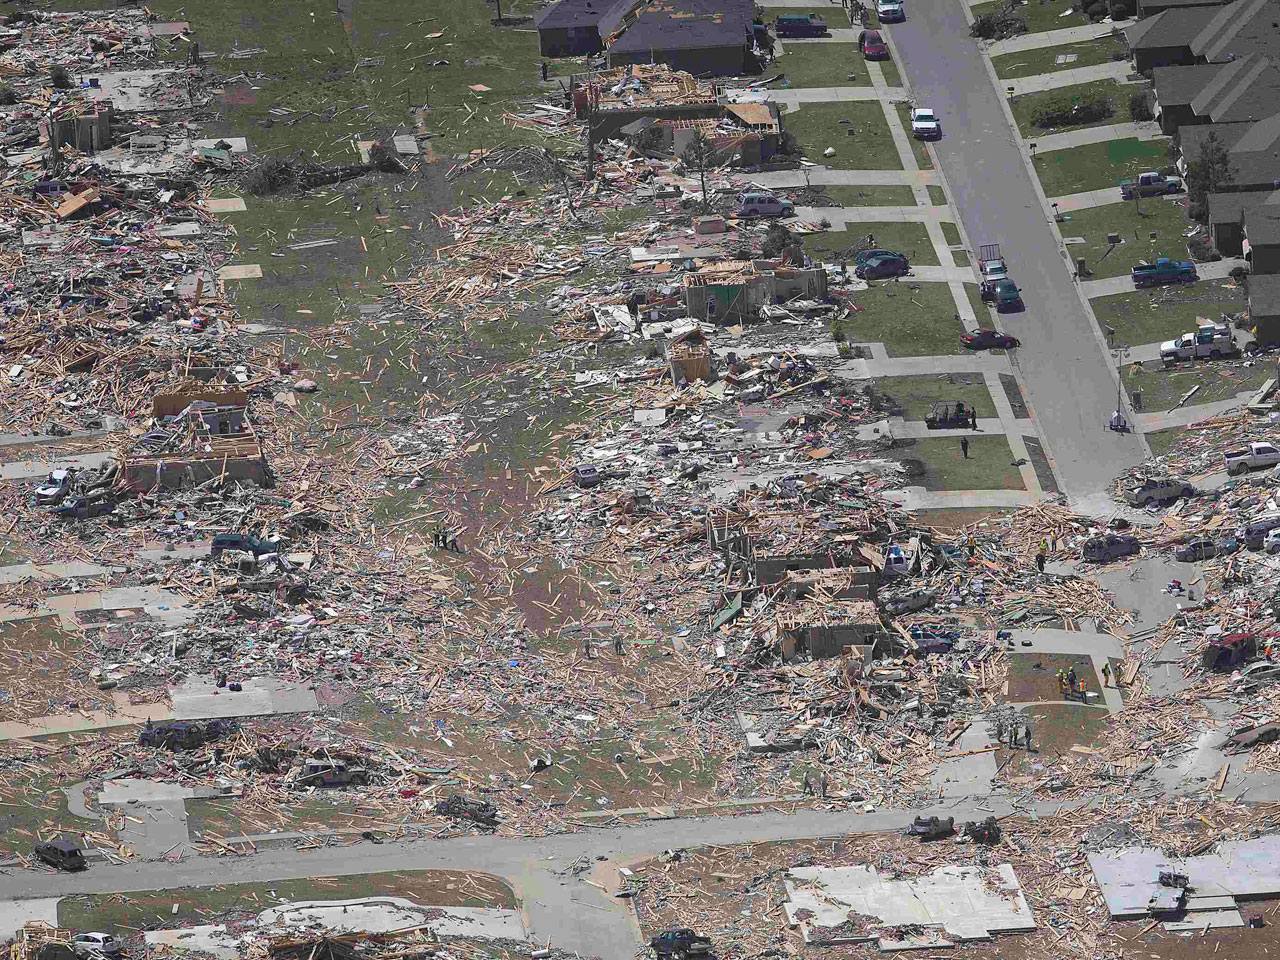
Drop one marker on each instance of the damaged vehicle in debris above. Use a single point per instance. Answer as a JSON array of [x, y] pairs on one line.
[[680, 942], [328, 773], [178, 735], [463, 808], [932, 828]]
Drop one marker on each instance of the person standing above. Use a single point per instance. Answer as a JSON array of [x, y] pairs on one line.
[[1040, 561], [1106, 674], [964, 447], [973, 418]]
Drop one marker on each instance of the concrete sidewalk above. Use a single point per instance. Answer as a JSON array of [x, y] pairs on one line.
[[1146, 130], [1048, 38], [825, 176], [918, 498], [1066, 78], [1185, 416], [1083, 201], [26, 469], [971, 363], [793, 98], [846, 215]]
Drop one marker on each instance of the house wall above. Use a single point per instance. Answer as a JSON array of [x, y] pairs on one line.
[[1179, 115], [1148, 58], [770, 570], [726, 303], [609, 123], [569, 41], [1228, 237], [810, 284], [148, 474], [1266, 259]]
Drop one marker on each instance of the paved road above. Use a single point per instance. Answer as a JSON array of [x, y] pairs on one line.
[[1063, 363]]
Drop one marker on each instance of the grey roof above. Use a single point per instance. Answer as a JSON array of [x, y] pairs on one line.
[[1264, 295], [1245, 89], [1170, 28], [1262, 225], [1246, 26], [576, 13], [1165, 4], [1191, 137], [1179, 86], [686, 25], [1230, 207], [1257, 169]]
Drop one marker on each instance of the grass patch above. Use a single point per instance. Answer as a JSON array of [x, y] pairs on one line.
[[923, 160], [857, 131], [1025, 106], [1220, 380], [989, 466], [1030, 63], [43, 670], [1161, 440], [960, 258], [1165, 219], [915, 395], [886, 195], [950, 233], [836, 18], [128, 913], [822, 65], [911, 239], [1096, 166], [1039, 16], [937, 196], [891, 75], [35, 808], [1034, 676], [1057, 728], [909, 322], [983, 312], [1151, 316]]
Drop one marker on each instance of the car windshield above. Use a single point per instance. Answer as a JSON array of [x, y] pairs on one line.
[[924, 116]]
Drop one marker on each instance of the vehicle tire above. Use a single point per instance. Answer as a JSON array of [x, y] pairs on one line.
[[1017, 342], [1234, 471], [1186, 492], [1215, 354], [753, 212]]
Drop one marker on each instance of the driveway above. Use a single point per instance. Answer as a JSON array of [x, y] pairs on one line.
[[1068, 372]]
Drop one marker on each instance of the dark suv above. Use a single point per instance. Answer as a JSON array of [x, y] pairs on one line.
[[1110, 546], [62, 854]]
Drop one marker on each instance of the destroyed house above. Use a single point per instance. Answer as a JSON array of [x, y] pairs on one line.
[[845, 583], [690, 358], [822, 630], [195, 437], [727, 293]]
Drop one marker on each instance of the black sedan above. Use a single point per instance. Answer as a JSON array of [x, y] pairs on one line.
[[988, 339]]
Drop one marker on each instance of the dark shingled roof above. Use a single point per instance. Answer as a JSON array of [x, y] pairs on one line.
[[1230, 207], [1253, 168], [1246, 89], [1262, 226], [1264, 295], [1246, 26], [1179, 86], [577, 13], [1170, 28], [686, 25]]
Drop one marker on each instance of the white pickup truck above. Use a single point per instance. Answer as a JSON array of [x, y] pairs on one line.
[[1209, 341], [1257, 454]]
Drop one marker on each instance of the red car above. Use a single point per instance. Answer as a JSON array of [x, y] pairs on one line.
[[986, 339], [872, 45]]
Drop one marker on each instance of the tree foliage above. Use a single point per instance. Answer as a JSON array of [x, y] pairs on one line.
[[1207, 174]]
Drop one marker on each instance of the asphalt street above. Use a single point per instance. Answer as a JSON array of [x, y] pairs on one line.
[[1064, 365]]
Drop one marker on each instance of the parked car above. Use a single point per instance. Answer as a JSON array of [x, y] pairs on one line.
[[1257, 454], [680, 942], [94, 944], [1004, 293], [893, 265], [1212, 341], [62, 854], [990, 264], [1271, 542], [1203, 548], [244, 542], [330, 773], [55, 487], [1150, 184], [1109, 546], [1256, 531], [872, 45], [862, 256], [755, 203], [925, 124], [800, 25], [1163, 271], [1153, 490], [988, 339], [83, 508], [891, 11], [909, 603]]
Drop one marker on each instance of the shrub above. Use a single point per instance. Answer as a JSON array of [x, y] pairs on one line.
[[1140, 105], [60, 79], [845, 350], [1096, 11], [270, 175], [1062, 111], [1201, 248], [1120, 10], [8, 95], [838, 333], [998, 26]]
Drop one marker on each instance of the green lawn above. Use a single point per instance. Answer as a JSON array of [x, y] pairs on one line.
[[836, 16], [950, 233], [857, 131], [915, 395], [821, 65], [891, 75], [1164, 218], [1025, 106], [910, 322], [1161, 440], [960, 258], [1097, 165], [983, 312], [1219, 380], [1150, 316], [1030, 63], [937, 196], [989, 465], [1039, 16], [154, 909], [923, 160], [911, 239], [889, 195]]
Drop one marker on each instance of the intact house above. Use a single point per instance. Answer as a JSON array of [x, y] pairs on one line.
[[1254, 149], [195, 436], [1185, 36], [1245, 90], [1262, 238], [1264, 309], [704, 37], [1226, 217]]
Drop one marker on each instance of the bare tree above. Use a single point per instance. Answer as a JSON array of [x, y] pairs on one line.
[[698, 155]]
